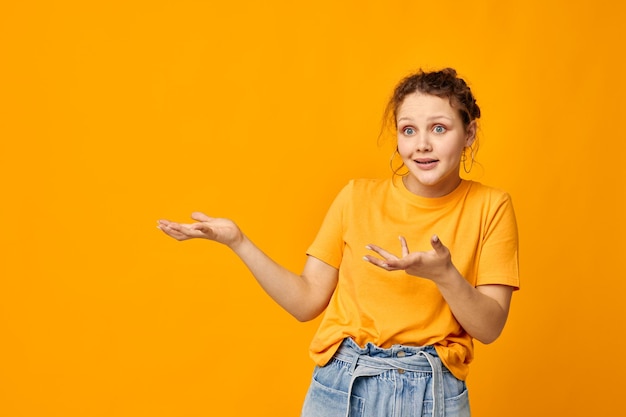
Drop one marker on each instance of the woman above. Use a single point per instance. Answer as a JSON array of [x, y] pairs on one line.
[[396, 337]]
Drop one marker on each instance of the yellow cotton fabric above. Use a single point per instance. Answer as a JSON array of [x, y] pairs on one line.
[[476, 222]]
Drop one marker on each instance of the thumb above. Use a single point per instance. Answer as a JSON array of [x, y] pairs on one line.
[[199, 216], [437, 245]]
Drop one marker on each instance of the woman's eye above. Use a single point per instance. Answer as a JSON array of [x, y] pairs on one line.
[[439, 129], [408, 130]]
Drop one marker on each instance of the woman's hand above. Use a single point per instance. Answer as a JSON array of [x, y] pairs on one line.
[[220, 230], [304, 296], [434, 265], [482, 311]]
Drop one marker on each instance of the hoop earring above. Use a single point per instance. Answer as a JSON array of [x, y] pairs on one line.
[[464, 159], [396, 171]]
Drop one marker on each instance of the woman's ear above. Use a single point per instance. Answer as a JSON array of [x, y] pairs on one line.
[[471, 133]]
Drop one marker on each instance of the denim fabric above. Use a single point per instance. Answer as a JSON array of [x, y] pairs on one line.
[[401, 381]]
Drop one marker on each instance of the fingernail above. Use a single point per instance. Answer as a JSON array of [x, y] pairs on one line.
[[368, 247]]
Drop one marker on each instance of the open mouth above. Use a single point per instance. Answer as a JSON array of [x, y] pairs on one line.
[[426, 162]]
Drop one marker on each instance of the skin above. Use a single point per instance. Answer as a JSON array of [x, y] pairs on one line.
[[304, 296], [431, 137], [482, 310]]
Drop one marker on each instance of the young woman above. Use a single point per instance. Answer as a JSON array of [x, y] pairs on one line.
[[397, 334]]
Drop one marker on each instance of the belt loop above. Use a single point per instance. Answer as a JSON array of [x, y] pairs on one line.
[[353, 365], [355, 360], [438, 390]]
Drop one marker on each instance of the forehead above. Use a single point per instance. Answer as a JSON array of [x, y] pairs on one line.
[[420, 104]]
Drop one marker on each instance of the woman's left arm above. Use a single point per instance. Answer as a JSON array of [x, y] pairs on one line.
[[482, 311]]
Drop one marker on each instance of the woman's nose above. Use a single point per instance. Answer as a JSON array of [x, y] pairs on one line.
[[423, 143]]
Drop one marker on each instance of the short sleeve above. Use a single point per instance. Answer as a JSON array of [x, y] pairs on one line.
[[329, 243], [499, 258]]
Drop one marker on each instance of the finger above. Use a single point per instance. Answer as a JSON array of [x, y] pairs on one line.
[[381, 252], [199, 216], [203, 228], [381, 263], [172, 226], [169, 225], [172, 232], [437, 245], [405, 247]]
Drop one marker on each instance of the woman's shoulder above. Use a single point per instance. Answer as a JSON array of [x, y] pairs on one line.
[[479, 186], [358, 189], [487, 192]]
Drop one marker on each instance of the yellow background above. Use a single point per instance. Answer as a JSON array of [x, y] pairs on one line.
[[117, 113]]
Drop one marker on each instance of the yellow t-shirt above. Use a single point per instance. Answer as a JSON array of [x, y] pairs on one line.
[[476, 222]]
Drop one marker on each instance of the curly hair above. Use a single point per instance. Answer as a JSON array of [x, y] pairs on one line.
[[443, 83]]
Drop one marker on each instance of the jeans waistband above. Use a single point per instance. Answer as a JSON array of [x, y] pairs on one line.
[[373, 361]]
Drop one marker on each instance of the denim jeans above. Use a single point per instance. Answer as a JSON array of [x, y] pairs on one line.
[[402, 381]]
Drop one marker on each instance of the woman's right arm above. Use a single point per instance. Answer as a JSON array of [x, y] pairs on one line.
[[304, 296]]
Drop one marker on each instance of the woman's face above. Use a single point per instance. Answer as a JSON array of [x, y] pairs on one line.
[[431, 138]]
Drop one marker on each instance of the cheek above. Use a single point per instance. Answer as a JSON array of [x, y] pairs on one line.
[[454, 148], [403, 148]]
